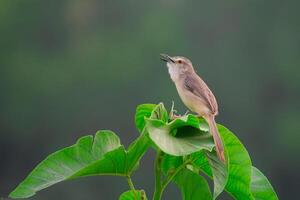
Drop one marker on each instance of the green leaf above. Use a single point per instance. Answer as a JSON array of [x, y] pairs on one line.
[[238, 167], [62, 164], [219, 172], [187, 120], [192, 186], [102, 155], [169, 163], [129, 195], [151, 111], [179, 137], [200, 160], [261, 188], [207, 160], [136, 150], [118, 162], [143, 111]]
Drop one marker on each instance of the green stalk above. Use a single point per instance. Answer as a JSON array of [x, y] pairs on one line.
[[130, 183], [158, 186], [159, 189], [169, 178]]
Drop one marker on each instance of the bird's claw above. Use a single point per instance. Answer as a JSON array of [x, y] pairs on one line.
[[175, 116]]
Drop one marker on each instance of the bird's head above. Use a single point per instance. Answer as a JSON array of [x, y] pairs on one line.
[[177, 65]]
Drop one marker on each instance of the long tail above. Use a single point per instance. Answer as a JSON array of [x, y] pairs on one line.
[[215, 133]]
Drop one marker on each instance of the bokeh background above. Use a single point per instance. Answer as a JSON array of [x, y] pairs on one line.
[[69, 68]]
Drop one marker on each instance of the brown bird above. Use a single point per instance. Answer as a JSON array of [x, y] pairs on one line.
[[195, 94]]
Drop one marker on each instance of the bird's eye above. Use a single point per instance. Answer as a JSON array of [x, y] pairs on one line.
[[179, 61]]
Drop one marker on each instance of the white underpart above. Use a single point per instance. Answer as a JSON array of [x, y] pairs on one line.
[[173, 71]]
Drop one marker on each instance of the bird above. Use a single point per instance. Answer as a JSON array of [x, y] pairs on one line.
[[195, 94]]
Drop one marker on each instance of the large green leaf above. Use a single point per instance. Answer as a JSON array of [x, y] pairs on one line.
[[130, 195], [238, 167], [180, 137], [192, 186], [261, 188], [104, 152]]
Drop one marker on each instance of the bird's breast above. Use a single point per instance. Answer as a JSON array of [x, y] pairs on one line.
[[190, 100], [186, 97]]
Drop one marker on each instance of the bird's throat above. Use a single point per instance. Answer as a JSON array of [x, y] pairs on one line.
[[174, 73]]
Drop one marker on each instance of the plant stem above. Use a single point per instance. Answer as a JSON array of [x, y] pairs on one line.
[[157, 193], [169, 179], [130, 183]]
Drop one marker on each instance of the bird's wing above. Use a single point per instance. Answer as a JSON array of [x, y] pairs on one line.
[[199, 88]]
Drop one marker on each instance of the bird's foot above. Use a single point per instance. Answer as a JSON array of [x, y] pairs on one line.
[[174, 116]]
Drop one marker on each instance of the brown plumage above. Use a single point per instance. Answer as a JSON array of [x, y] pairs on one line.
[[195, 94]]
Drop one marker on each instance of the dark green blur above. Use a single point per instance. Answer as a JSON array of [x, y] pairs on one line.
[[69, 68]]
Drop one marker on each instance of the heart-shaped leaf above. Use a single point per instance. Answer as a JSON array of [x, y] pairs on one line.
[[101, 155], [180, 137], [131, 195]]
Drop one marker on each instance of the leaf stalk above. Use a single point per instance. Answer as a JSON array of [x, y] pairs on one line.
[[158, 186], [131, 186]]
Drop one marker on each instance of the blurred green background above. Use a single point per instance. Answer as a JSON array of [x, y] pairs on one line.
[[69, 68]]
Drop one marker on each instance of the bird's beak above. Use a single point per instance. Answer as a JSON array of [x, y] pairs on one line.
[[166, 58]]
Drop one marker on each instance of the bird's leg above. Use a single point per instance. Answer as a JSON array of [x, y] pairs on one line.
[[173, 111], [173, 115]]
